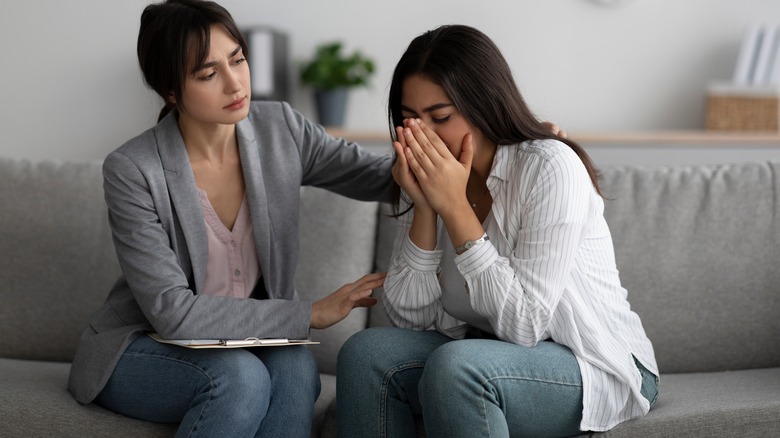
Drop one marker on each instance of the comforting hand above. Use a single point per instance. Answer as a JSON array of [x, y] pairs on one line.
[[555, 129], [336, 306], [441, 177]]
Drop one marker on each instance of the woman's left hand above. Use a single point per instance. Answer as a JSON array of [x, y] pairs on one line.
[[555, 129], [441, 176]]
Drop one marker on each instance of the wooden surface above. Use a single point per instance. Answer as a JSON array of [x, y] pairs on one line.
[[688, 138]]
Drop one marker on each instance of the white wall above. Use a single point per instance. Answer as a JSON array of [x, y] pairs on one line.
[[71, 87]]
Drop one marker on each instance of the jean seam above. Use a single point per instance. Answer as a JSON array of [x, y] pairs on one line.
[[533, 379], [484, 412], [196, 367], [384, 392], [484, 385]]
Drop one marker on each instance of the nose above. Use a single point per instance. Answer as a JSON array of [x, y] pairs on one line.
[[431, 125], [232, 82]]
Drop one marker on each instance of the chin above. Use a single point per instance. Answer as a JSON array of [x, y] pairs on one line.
[[237, 117]]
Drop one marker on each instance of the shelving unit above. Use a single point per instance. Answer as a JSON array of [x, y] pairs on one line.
[[647, 147], [690, 137]]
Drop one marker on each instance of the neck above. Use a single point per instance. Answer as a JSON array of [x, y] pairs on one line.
[[476, 187], [481, 164], [210, 142]]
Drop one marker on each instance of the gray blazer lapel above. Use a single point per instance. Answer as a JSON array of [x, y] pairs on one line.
[[184, 195], [256, 196]]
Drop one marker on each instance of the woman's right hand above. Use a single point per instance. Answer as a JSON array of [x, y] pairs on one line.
[[336, 306], [402, 173]]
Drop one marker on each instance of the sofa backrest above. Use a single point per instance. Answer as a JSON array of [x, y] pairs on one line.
[[338, 238], [698, 249], [57, 261]]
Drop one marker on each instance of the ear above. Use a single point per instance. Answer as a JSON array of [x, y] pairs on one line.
[[171, 98]]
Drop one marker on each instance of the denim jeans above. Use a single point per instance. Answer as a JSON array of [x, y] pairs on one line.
[[466, 388], [252, 392]]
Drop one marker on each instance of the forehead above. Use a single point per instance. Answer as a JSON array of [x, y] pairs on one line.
[[219, 44], [419, 92], [222, 43]]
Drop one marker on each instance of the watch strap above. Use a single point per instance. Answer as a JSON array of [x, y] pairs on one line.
[[470, 244]]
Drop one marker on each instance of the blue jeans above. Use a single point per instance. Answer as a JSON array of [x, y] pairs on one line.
[[252, 392], [467, 388]]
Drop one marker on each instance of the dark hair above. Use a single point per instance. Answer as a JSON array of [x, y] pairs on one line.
[[478, 80], [171, 34]]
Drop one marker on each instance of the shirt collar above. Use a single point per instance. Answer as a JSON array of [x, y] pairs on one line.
[[503, 161]]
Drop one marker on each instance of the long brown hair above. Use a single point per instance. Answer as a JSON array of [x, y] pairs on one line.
[[173, 34], [478, 80]]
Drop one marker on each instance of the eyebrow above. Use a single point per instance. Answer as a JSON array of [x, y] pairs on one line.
[[213, 63], [428, 109]]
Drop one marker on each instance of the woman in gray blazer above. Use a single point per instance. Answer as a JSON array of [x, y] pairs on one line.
[[203, 208]]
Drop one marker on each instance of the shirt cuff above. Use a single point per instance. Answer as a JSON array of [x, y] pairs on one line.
[[475, 260], [420, 259]]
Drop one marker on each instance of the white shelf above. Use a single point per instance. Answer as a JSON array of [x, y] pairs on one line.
[[690, 138]]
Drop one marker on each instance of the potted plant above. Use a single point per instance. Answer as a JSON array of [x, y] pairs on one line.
[[332, 74]]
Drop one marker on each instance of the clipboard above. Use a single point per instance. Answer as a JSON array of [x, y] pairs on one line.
[[232, 343]]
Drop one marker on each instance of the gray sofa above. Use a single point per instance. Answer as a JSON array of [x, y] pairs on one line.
[[698, 249]]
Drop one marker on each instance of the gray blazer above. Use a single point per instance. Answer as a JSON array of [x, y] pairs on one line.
[[160, 235]]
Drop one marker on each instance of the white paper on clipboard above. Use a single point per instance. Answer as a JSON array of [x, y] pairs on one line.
[[232, 343]]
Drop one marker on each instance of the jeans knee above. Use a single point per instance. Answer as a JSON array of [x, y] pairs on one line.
[[242, 379], [361, 347], [446, 366], [448, 359], [302, 370]]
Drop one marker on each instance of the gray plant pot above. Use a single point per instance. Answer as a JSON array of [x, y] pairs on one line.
[[331, 106]]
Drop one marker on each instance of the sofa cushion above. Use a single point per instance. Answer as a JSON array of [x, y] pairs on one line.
[[322, 405], [337, 237], [697, 248], [58, 261], [37, 403], [723, 404]]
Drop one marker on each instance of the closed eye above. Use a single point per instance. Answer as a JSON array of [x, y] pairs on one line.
[[208, 77]]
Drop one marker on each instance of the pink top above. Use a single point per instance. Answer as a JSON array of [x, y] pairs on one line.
[[233, 269]]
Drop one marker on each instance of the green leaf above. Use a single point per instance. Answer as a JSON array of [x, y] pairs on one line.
[[329, 69]]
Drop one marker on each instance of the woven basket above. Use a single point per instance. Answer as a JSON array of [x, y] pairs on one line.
[[743, 113]]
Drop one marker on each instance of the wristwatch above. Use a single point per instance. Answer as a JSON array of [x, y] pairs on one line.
[[470, 244]]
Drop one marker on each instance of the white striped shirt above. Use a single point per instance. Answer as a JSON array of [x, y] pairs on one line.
[[547, 272]]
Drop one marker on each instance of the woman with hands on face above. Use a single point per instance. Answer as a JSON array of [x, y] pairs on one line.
[[510, 316]]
